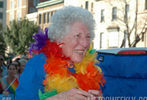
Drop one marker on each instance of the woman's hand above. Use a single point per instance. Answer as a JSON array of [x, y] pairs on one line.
[[5, 93], [72, 94], [95, 94]]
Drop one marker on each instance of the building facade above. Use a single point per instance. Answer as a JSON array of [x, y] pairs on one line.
[[3, 13], [116, 20], [18, 9], [47, 9], [142, 22]]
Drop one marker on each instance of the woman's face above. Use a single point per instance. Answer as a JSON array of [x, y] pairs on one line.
[[12, 70], [76, 42]]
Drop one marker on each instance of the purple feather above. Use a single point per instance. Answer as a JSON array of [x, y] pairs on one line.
[[40, 40]]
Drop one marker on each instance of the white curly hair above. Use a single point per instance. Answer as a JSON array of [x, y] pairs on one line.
[[63, 18]]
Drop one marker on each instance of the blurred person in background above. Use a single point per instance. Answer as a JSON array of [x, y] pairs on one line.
[[17, 63], [1, 89], [22, 65], [25, 57], [3, 66], [9, 61], [7, 80], [1, 71]]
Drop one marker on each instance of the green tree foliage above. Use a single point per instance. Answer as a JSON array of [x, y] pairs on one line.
[[18, 35], [2, 42]]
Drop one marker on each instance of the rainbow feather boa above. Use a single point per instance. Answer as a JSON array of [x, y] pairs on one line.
[[87, 75]]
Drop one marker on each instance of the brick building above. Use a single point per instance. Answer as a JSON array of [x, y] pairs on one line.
[[17, 9]]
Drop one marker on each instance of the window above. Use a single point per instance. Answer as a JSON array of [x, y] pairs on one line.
[[44, 18], [11, 16], [40, 18], [86, 4], [102, 15], [1, 4], [125, 38], [19, 3], [126, 11], [35, 2], [12, 4], [19, 14], [101, 40], [48, 17], [92, 7], [51, 14], [113, 39], [146, 4], [1, 15], [114, 13]]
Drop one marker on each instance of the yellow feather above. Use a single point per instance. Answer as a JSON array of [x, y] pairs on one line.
[[60, 83]]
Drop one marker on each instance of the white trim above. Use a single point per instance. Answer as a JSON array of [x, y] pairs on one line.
[[16, 8], [49, 10]]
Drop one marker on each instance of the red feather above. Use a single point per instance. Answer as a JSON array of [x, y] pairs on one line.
[[91, 80]]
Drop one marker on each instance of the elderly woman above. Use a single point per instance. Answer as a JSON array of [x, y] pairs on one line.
[[64, 68]]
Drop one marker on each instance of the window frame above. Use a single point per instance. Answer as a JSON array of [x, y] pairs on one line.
[[114, 13], [101, 45], [86, 4], [127, 6], [1, 4], [44, 18], [40, 18], [1, 17], [145, 5], [102, 16]]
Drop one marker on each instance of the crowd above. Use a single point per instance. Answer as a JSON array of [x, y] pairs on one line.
[[10, 70]]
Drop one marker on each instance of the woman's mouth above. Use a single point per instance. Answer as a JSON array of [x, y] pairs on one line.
[[80, 52]]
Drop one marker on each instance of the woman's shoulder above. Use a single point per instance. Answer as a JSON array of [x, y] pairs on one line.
[[38, 57], [35, 62]]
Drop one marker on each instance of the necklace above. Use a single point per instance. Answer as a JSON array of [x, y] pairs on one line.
[[86, 74]]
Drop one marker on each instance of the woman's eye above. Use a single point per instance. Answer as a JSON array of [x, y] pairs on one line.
[[88, 37], [77, 36]]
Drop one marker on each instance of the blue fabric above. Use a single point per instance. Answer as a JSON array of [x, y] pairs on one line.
[[71, 69], [4, 68], [9, 97], [124, 75], [5, 82], [31, 79]]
